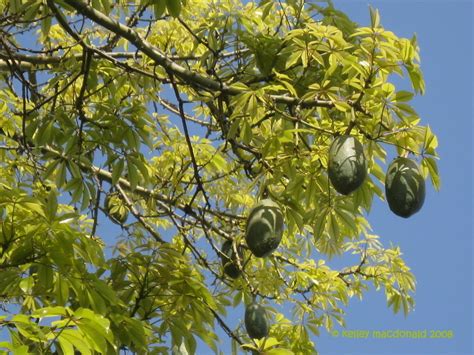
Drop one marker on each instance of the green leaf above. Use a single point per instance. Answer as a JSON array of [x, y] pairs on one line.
[[271, 342], [31, 11], [86, 197], [142, 168], [93, 336], [133, 175], [430, 142], [235, 347], [292, 59], [374, 17], [403, 96], [50, 312], [117, 171], [106, 6], [15, 5], [66, 346], [159, 8], [234, 128], [279, 351], [105, 291], [430, 167], [296, 217], [27, 284], [45, 26], [96, 4], [61, 174], [406, 108], [45, 276], [76, 339], [240, 86], [44, 133], [6, 345], [342, 106], [237, 299], [320, 224], [62, 289], [246, 132], [416, 78], [347, 219], [333, 226], [174, 7], [34, 207], [51, 205], [21, 350]]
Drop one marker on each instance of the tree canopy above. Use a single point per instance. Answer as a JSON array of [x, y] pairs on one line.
[[172, 119]]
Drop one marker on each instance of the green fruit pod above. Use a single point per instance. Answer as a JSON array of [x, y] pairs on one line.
[[264, 228], [347, 165], [256, 321], [229, 260], [404, 187]]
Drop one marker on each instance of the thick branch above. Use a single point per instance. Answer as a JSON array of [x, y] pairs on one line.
[[190, 77], [22, 65], [43, 59]]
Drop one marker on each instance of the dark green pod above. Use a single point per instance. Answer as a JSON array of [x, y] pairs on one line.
[[404, 187], [264, 228], [347, 166], [256, 321], [229, 262]]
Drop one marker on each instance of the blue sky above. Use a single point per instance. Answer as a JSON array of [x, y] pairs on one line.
[[436, 242]]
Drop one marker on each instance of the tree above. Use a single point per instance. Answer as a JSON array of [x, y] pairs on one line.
[[172, 119]]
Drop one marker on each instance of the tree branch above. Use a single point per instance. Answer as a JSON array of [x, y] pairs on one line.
[[138, 216], [190, 77], [42, 59], [200, 186]]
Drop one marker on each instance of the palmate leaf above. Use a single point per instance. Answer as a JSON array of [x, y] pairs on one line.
[[430, 167], [174, 7]]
